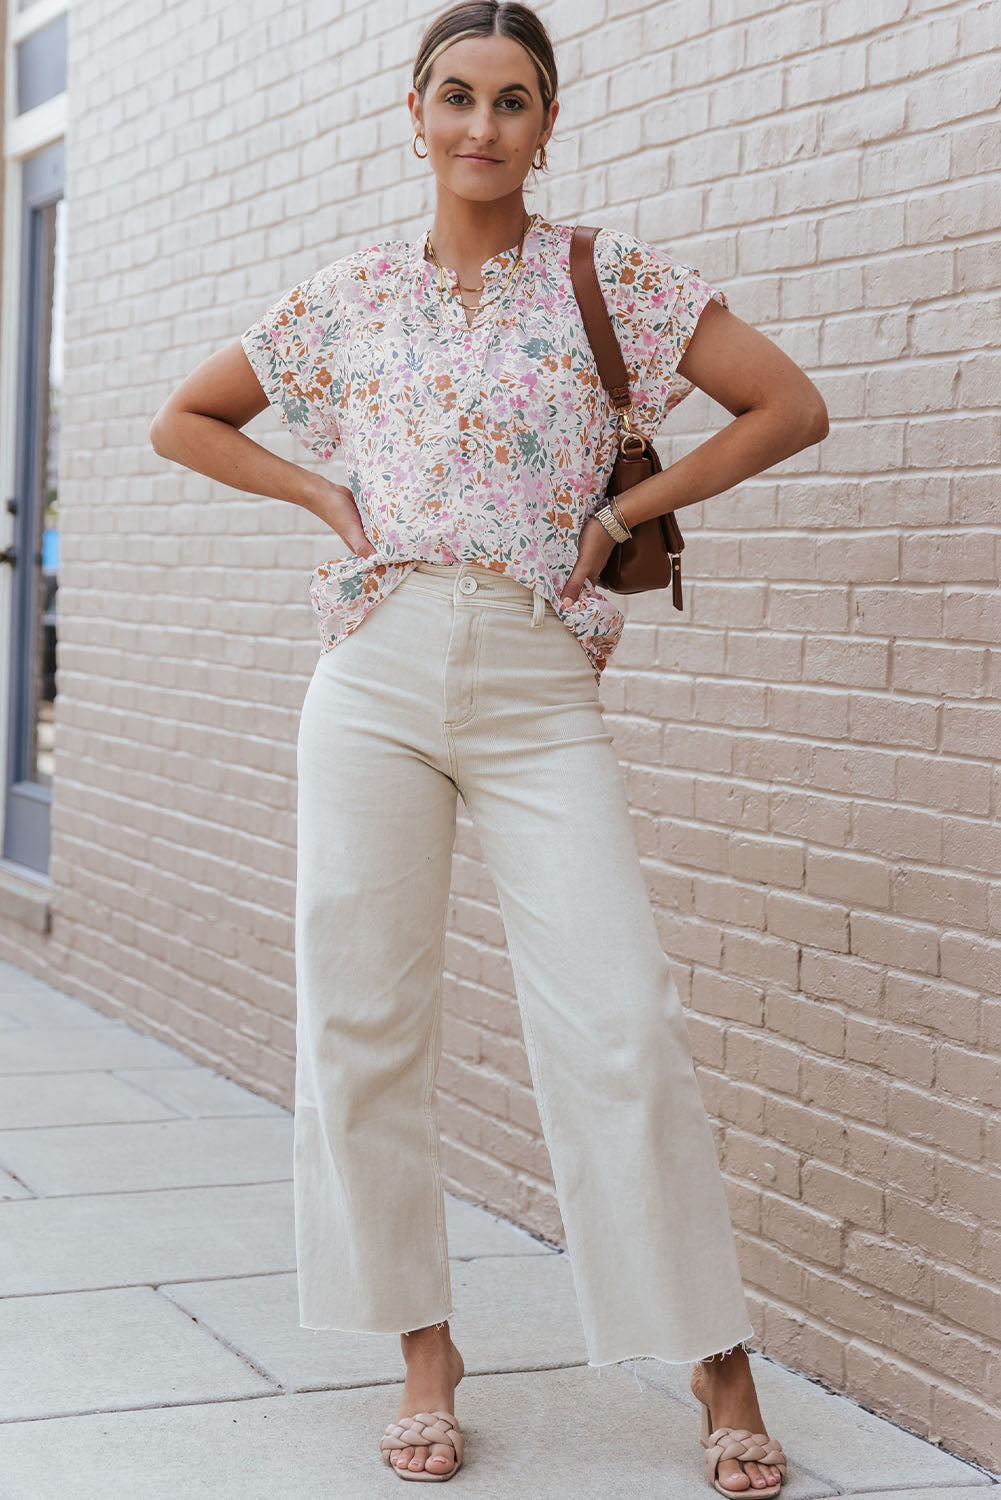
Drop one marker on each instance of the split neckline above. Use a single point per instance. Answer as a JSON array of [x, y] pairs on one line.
[[493, 271]]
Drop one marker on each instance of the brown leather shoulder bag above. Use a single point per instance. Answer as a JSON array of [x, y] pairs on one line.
[[651, 557]]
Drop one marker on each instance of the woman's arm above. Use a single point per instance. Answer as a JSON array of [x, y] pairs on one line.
[[777, 407], [199, 426]]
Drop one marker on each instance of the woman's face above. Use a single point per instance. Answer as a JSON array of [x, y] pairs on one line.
[[482, 117]]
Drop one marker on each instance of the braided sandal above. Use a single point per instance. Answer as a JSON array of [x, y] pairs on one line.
[[742, 1444], [421, 1430]]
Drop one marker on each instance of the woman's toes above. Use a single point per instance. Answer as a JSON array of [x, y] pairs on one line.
[[402, 1456], [420, 1454], [442, 1457], [734, 1478], [762, 1475]]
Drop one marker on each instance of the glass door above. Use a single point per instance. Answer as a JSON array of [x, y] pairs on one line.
[[33, 554]]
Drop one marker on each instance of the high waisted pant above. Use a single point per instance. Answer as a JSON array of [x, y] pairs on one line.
[[463, 680]]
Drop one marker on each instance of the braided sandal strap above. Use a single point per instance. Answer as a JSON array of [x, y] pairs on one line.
[[421, 1430], [742, 1444]]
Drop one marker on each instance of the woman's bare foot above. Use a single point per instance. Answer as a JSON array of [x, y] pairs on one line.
[[727, 1387], [434, 1369]]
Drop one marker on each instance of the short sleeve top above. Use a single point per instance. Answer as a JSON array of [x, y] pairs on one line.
[[491, 444]]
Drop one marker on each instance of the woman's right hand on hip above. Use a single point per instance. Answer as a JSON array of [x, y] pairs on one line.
[[335, 504]]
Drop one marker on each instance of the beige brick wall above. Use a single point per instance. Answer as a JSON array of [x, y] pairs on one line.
[[810, 748]]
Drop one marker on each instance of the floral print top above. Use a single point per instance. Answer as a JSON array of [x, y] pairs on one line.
[[491, 444]]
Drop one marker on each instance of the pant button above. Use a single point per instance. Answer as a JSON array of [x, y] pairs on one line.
[[468, 585]]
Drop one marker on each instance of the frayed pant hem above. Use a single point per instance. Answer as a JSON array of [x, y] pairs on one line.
[[333, 1328], [691, 1359]]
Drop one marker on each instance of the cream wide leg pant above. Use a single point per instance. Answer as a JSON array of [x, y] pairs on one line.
[[463, 680]]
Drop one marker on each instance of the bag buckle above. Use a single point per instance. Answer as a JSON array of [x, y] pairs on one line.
[[625, 418]]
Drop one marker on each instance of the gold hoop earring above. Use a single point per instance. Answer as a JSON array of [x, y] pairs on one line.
[[413, 147], [538, 165]]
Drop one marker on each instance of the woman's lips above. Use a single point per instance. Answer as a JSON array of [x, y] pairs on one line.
[[487, 161]]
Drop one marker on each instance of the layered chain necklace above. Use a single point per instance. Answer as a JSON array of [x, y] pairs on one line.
[[477, 307]]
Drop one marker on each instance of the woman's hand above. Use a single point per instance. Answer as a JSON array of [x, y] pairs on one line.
[[335, 504], [594, 548]]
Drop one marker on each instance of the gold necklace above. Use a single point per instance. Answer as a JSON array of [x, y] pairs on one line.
[[474, 305], [477, 306]]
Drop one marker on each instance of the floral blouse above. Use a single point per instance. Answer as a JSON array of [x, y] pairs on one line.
[[491, 444]]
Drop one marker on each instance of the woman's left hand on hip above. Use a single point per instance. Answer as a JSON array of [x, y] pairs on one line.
[[594, 548]]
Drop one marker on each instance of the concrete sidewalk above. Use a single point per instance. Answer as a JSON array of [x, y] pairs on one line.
[[149, 1337]]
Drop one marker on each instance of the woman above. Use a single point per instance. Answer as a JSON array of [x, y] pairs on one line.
[[463, 641]]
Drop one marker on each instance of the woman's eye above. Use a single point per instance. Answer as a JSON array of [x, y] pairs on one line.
[[512, 100]]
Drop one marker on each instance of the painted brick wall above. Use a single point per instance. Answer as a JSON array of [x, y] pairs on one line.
[[811, 749]]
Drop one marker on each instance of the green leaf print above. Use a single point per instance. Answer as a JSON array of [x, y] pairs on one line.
[[530, 449], [350, 588], [296, 410]]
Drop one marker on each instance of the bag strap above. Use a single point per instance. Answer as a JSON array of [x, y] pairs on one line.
[[614, 377], [594, 311]]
